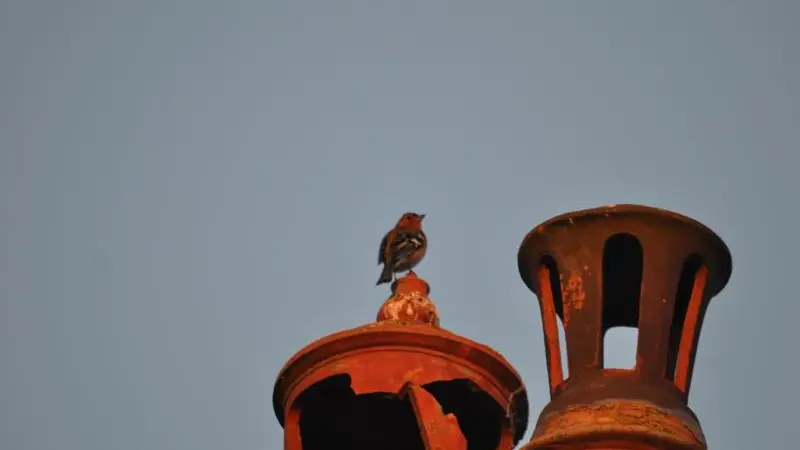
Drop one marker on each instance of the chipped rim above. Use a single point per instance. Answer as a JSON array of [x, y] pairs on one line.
[[410, 337]]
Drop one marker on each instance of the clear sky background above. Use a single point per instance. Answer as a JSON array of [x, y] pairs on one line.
[[191, 191]]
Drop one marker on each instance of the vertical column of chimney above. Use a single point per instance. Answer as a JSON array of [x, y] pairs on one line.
[[622, 266]]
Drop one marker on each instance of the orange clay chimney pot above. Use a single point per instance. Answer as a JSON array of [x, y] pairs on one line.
[[401, 383], [622, 266], [404, 383]]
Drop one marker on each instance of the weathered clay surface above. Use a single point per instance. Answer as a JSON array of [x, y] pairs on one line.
[[631, 266]]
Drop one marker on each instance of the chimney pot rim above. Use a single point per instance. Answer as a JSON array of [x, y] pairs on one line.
[[390, 337], [586, 220]]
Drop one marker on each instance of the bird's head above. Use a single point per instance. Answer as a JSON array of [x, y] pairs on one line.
[[410, 220]]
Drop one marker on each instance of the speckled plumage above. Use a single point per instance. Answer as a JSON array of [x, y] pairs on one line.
[[403, 247]]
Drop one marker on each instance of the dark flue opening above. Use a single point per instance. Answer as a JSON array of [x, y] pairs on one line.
[[479, 416], [622, 281], [333, 416], [555, 284], [558, 303], [691, 266]]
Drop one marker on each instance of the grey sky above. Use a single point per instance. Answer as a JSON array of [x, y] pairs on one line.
[[191, 191]]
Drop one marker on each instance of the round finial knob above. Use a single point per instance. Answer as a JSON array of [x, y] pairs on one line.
[[409, 302]]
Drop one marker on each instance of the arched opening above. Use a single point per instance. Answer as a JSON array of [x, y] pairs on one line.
[[686, 287], [552, 313], [622, 285], [562, 344], [555, 283], [619, 348]]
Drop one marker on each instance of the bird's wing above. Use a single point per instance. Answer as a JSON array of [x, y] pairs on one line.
[[406, 243], [382, 250]]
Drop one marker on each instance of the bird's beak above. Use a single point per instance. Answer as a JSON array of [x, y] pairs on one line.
[[421, 216]]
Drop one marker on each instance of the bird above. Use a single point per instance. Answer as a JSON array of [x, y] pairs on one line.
[[403, 247]]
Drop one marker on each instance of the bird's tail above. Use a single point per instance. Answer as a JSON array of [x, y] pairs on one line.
[[386, 275]]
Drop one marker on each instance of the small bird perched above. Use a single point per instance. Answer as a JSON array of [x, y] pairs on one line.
[[403, 247]]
